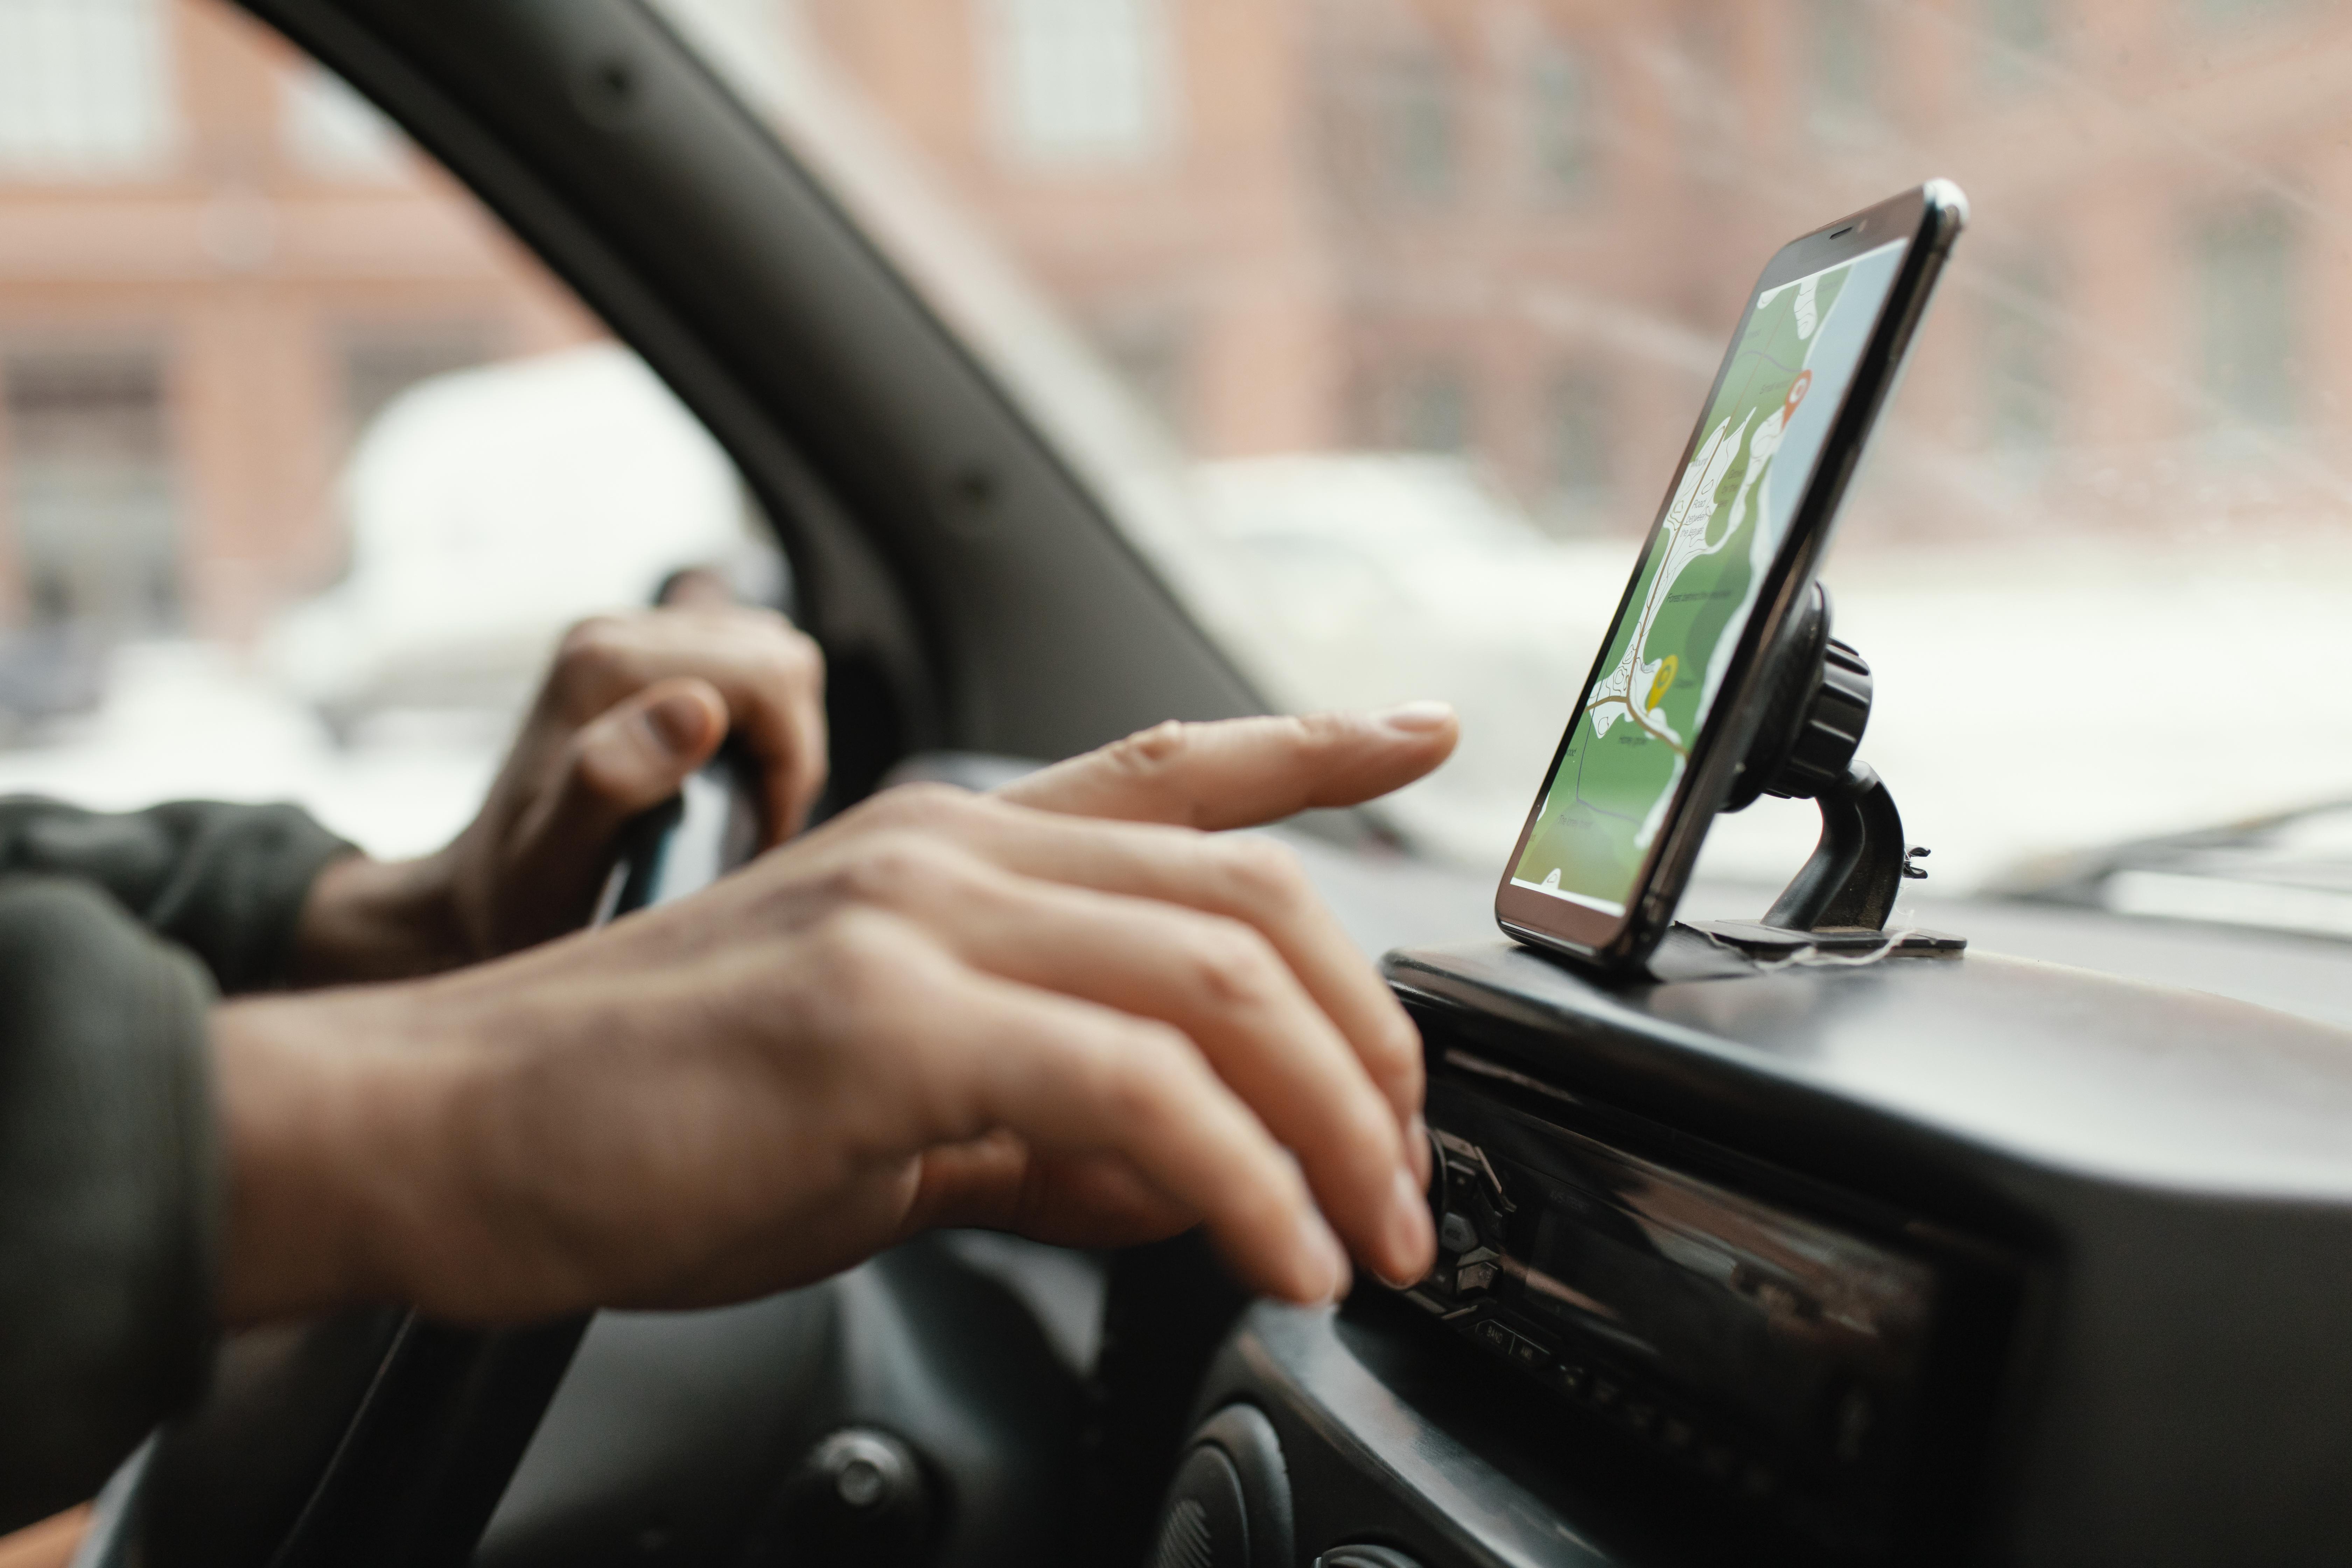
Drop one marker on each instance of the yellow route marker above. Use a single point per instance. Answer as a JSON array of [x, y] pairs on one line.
[[1662, 682]]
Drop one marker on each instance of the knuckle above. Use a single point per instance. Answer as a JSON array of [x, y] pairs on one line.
[[596, 639], [789, 657], [1266, 1206], [924, 806], [805, 653], [1136, 1080], [1400, 1045], [1147, 751], [899, 868], [1232, 964], [593, 654], [1266, 874], [1370, 1138], [1312, 739], [596, 766], [860, 954], [1314, 729]]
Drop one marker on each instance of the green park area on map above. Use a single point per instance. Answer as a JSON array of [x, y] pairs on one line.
[[1631, 742]]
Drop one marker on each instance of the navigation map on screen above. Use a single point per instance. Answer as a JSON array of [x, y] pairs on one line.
[[1698, 581]]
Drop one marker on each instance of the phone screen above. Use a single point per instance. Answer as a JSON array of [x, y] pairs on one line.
[[1630, 746]]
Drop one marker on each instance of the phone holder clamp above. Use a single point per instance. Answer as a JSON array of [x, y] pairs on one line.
[[1804, 750]]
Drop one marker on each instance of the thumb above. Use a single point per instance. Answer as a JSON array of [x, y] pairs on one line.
[[632, 756], [547, 869], [1240, 772]]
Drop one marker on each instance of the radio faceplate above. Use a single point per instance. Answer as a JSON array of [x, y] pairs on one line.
[[1784, 1358], [2135, 1204]]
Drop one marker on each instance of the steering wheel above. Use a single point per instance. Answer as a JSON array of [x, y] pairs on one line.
[[378, 1436]]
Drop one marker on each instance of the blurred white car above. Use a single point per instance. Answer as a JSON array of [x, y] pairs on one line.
[[1361, 579], [488, 510]]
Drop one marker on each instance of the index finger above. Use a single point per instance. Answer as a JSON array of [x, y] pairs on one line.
[[1237, 773]]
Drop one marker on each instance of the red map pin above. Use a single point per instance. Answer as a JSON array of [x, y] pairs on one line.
[[1797, 390]]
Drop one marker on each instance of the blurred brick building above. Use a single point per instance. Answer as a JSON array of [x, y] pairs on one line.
[[1519, 229], [1514, 228], [214, 262]]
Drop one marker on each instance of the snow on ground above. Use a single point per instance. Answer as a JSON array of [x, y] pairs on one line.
[[184, 720], [2032, 704]]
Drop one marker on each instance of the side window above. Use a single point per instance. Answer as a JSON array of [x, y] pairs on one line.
[[304, 463]]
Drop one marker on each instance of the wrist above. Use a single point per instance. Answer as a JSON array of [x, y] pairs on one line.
[[366, 919], [335, 1112]]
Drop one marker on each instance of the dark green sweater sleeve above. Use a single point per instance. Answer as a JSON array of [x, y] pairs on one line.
[[114, 933], [227, 882]]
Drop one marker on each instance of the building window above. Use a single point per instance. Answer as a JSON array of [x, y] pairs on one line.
[[331, 130], [1560, 124], [1576, 438], [90, 489], [2220, 15], [1416, 130], [2246, 316], [1084, 81], [1841, 59], [2020, 365], [1426, 409], [84, 87]]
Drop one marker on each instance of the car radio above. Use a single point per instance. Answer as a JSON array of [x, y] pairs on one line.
[[1959, 1259], [1804, 1359]]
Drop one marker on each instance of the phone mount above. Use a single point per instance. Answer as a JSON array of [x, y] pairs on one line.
[[1804, 750]]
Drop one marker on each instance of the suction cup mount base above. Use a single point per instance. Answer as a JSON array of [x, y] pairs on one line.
[[1841, 900]]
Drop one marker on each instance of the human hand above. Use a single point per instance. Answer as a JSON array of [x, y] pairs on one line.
[[630, 707], [1212, 777], [938, 1008]]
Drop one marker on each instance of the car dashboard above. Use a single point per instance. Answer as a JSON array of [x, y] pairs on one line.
[[1977, 1259]]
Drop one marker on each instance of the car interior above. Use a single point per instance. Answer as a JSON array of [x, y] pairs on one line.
[[2027, 1246]]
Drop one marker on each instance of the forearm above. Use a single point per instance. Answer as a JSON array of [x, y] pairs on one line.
[[430, 1142], [339, 1118], [567, 1128]]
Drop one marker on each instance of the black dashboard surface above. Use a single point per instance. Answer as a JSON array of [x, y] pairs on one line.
[[2048, 1064]]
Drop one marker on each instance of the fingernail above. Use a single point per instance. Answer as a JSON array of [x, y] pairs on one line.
[[1418, 717], [1323, 1269], [678, 722], [1419, 1149], [1410, 1244]]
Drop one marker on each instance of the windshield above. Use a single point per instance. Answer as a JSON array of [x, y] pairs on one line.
[[1380, 324]]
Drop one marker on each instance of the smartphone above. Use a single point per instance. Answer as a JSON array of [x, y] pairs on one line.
[[1672, 700]]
